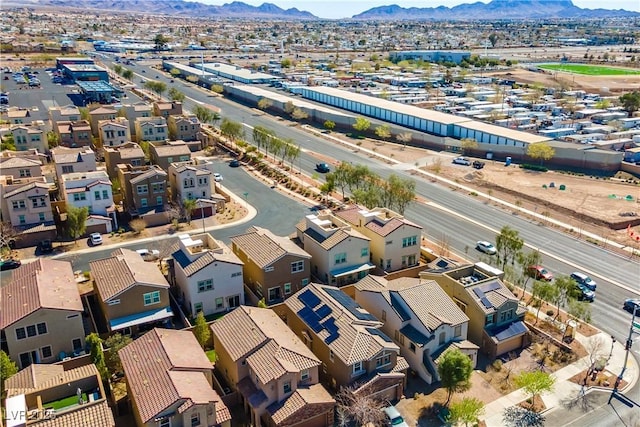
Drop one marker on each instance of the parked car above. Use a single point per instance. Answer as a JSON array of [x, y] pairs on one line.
[[217, 177], [584, 294], [477, 164], [322, 167], [46, 246], [632, 304], [95, 239], [9, 264], [234, 163], [149, 255], [461, 161], [393, 417], [538, 272], [585, 280], [486, 247]]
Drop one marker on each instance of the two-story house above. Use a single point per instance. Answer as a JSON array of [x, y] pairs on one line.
[[144, 188], [496, 320], [166, 152], [151, 129], [207, 273], [128, 153], [339, 254], [114, 133], [348, 340], [93, 191], [27, 137], [183, 127], [41, 313], [64, 113], [395, 241], [33, 392], [132, 293], [28, 205], [274, 266], [74, 134], [166, 109], [21, 116], [20, 167], [188, 181], [276, 375], [170, 381], [422, 319], [69, 160], [132, 112], [98, 115]]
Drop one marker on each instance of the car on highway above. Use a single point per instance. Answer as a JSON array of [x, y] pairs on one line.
[[486, 247], [95, 239], [234, 163], [461, 161], [217, 177], [393, 416], [584, 294], [9, 264], [631, 305], [585, 280], [149, 255], [322, 167], [538, 272]]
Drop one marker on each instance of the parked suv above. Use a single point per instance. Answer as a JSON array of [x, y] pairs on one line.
[[538, 272], [585, 280], [394, 418]]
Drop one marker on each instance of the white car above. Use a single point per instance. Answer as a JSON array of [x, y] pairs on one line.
[[461, 161], [149, 255], [217, 177], [95, 239], [486, 247]]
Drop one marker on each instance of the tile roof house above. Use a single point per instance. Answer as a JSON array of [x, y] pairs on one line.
[[19, 116], [114, 133], [132, 293], [183, 127], [68, 160], [99, 114], [207, 273], [190, 181], [145, 189], [166, 109], [30, 136], [32, 392], [169, 381], [348, 340], [91, 190], [151, 129], [276, 375], [274, 266], [164, 153], [135, 110], [128, 153], [64, 113], [395, 241], [27, 205], [20, 167], [420, 317], [74, 134], [41, 313], [496, 320], [339, 254]]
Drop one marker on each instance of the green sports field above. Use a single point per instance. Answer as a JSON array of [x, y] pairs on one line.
[[589, 70]]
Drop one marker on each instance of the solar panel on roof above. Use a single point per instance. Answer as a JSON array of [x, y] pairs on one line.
[[486, 302], [309, 299], [331, 338], [330, 325], [378, 332], [350, 305], [442, 263], [491, 287], [323, 311], [479, 292], [310, 318]]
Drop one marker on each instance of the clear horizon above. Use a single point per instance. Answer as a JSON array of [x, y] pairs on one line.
[[346, 9]]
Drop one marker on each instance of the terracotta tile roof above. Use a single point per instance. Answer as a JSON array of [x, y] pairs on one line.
[[264, 248], [152, 172], [171, 150], [313, 399], [204, 260], [384, 228], [165, 367], [41, 185], [380, 381], [124, 269], [38, 377], [102, 110], [349, 214], [16, 162], [44, 283], [95, 415], [495, 292]]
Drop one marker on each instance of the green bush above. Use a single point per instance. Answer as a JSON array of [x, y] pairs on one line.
[[550, 312], [538, 168]]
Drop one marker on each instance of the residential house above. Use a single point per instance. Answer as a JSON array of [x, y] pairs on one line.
[[166, 152], [20, 167], [98, 115], [134, 111], [64, 113], [339, 254], [113, 133], [422, 319], [69, 160], [274, 266], [27, 205], [133, 294], [190, 181], [128, 153], [276, 375], [27, 137], [166, 109], [93, 191], [33, 392], [41, 313], [170, 381], [207, 273], [151, 129], [30, 153], [496, 320], [348, 340], [144, 189], [74, 134], [20, 116], [183, 127], [395, 241]]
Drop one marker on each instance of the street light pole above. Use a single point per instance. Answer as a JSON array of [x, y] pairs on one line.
[[628, 344]]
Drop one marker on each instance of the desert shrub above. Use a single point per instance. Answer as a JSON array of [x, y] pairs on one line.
[[497, 365], [550, 312], [537, 168]]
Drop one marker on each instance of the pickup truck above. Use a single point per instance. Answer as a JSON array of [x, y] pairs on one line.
[[322, 167]]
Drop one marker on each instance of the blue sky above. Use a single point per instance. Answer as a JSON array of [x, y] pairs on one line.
[[335, 9]]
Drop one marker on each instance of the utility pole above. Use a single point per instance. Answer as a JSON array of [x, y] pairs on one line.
[[628, 344]]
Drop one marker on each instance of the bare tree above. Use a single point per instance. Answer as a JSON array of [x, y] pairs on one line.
[[444, 245], [359, 407], [8, 234], [596, 351]]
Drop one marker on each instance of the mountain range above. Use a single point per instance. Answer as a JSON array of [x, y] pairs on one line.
[[495, 10]]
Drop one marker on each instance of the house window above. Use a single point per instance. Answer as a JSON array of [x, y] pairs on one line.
[[219, 303], [409, 241], [364, 252], [105, 194], [297, 266], [205, 285], [442, 338], [157, 187], [457, 331], [73, 316], [76, 344], [388, 264], [25, 173], [197, 307], [341, 258], [19, 204], [42, 217], [96, 195], [113, 302], [412, 347], [304, 375], [489, 319], [384, 315], [287, 387], [142, 189], [151, 298], [143, 203], [287, 288], [304, 282], [67, 169], [505, 315], [274, 293], [269, 269], [331, 355], [195, 419], [42, 328], [79, 196], [236, 274], [165, 422], [383, 360], [31, 331], [46, 352], [233, 301], [388, 242], [357, 368], [20, 334], [22, 219], [159, 201]]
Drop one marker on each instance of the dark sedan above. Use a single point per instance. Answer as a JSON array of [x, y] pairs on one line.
[[632, 304], [9, 264]]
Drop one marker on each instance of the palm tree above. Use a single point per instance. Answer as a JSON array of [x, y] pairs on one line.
[[188, 205]]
